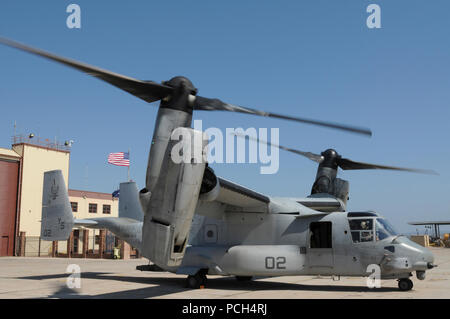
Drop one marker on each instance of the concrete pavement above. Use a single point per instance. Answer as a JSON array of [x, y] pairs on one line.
[[23, 277]]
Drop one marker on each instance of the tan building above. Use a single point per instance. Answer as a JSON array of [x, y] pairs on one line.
[[87, 204], [21, 186], [37, 159]]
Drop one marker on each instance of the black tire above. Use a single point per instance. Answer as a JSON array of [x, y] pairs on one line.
[[192, 282], [405, 284], [244, 278], [203, 279]]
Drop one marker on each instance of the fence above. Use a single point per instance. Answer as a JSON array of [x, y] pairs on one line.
[[80, 244], [35, 247]]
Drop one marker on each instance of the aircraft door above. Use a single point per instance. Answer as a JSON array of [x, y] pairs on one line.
[[320, 252]]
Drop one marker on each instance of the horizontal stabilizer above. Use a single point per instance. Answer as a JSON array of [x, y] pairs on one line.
[[85, 222]]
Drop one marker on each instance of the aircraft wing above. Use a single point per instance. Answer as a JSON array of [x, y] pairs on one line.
[[322, 204], [240, 198], [230, 197], [236, 195]]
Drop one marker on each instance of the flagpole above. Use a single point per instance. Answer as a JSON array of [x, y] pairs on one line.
[[129, 165]]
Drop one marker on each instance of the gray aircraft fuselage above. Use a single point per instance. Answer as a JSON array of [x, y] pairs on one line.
[[282, 244], [261, 244]]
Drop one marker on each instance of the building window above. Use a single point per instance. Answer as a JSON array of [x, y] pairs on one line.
[[74, 206], [93, 208], [106, 209]]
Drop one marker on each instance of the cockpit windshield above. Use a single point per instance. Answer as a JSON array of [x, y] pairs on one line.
[[384, 229]]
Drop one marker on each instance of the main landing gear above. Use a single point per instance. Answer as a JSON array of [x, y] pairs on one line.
[[197, 280], [405, 284]]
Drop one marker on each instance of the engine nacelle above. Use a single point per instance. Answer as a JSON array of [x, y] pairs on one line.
[[341, 189], [327, 183], [170, 207], [210, 186]]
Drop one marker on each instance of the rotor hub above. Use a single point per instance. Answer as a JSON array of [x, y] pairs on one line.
[[179, 99], [181, 82], [331, 158]]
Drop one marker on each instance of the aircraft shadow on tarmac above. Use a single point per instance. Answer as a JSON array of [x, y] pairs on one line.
[[162, 286]]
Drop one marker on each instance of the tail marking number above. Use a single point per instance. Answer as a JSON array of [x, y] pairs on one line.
[[275, 262]]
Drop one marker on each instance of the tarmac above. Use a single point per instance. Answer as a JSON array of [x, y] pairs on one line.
[[27, 277]]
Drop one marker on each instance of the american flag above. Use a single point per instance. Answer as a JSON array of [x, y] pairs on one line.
[[119, 159]]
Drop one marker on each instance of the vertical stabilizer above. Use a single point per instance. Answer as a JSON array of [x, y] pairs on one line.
[[57, 218], [129, 204]]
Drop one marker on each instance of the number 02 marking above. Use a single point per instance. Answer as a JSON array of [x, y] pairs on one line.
[[278, 263]]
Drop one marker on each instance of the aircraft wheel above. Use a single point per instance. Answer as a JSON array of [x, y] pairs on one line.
[[405, 284], [244, 278], [203, 279], [194, 282]]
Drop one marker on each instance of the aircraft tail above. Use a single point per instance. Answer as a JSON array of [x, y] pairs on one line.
[[57, 219], [129, 204]]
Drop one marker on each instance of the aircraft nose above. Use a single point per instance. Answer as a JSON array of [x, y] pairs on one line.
[[427, 257], [422, 256]]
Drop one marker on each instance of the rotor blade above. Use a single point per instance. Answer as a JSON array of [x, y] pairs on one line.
[[206, 104], [146, 90], [347, 164], [313, 157]]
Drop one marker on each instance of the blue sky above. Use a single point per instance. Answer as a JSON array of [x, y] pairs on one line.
[[315, 59]]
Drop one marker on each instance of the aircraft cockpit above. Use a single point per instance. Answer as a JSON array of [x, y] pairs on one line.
[[368, 227]]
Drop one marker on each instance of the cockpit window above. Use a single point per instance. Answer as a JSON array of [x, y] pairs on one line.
[[384, 229], [361, 229]]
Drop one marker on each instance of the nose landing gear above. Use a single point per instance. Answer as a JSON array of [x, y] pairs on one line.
[[405, 284]]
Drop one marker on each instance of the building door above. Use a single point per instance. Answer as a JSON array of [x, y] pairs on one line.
[[9, 177], [320, 245], [76, 240], [4, 245]]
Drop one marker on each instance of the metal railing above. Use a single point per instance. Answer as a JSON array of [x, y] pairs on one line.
[[39, 141]]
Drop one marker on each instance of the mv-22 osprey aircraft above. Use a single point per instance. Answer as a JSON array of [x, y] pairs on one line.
[[189, 221]]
